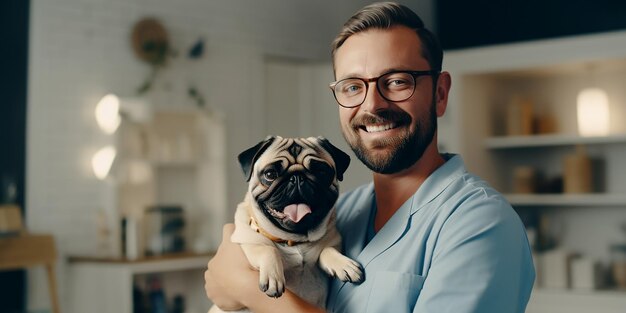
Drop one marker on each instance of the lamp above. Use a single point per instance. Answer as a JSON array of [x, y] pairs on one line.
[[107, 113], [593, 112], [102, 161]]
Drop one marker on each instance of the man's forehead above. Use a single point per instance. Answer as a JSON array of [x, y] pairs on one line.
[[377, 51]]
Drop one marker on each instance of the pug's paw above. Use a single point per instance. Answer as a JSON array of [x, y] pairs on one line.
[[272, 279], [341, 266]]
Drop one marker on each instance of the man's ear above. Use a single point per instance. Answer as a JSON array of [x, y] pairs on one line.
[[248, 157], [444, 82], [342, 160]]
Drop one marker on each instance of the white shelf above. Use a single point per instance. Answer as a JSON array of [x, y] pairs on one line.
[[510, 142], [575, 301], [157, 264], [577, 200], [105, 285]]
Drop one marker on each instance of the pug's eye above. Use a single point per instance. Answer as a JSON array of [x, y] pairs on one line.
[[270, 175]]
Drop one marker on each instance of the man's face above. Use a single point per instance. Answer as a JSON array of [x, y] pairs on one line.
[[387, 136]]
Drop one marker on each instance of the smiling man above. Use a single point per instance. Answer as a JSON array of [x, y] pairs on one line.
[[430, 236]]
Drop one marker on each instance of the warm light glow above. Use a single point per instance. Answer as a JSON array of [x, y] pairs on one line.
[[107, 113], [102, 161], [593, 112]]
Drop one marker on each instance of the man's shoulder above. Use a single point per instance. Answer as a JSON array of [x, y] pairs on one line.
[[349, 198], [354, 202]]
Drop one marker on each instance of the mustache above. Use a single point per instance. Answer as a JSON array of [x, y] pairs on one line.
[[381, 117]]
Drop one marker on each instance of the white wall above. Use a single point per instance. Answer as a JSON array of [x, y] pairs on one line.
[[79, 51]]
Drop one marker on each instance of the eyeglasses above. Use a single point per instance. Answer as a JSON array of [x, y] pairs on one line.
[[393, 86]]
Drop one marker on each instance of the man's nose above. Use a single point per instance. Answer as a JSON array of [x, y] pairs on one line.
[[374, 101]]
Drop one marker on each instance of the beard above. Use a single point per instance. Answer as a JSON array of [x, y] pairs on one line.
[[392, 155]]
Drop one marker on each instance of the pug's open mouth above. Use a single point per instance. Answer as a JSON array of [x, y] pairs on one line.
[[294, 212]]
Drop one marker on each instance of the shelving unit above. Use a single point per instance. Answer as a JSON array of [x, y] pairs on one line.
[[105, 285], [550, 73], [567, 200], [512, 142], [175, 157], [169, 157], [575, 301]]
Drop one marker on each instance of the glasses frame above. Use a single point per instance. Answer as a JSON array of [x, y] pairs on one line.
[[367, 81]]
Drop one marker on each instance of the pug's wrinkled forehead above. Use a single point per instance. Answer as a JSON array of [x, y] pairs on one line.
[[294, 154]]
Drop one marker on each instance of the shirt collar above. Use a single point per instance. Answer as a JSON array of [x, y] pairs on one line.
[[437, 181]]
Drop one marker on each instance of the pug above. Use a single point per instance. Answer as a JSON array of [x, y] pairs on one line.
[[286, 222]]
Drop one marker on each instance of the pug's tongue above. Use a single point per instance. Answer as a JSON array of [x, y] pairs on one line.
[[296, 212]]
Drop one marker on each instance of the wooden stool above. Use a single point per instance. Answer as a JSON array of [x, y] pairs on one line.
[[27, 250]]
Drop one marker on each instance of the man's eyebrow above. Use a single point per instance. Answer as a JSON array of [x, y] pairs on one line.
[[383, 72]]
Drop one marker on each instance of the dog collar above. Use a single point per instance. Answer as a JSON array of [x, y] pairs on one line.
[[255, 226]]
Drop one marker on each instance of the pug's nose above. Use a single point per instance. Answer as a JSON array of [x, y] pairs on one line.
[[296, 179]]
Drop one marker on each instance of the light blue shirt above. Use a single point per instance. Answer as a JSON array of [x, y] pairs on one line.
[[455, 246]]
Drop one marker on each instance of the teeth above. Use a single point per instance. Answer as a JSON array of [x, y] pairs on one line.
[[379, 128], [276, 214]]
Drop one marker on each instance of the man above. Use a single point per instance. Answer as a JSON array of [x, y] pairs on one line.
[[430, 236]]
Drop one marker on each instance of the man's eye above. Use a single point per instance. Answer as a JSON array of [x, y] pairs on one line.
[[397, 82], [270, 175], [351, 89]]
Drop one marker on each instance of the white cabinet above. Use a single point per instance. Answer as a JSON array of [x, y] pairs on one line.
[[175, 158], [171, 158], [106, 285], [549, 74]]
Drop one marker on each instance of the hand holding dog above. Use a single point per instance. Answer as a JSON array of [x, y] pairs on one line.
[[229, 279], [229, 274]]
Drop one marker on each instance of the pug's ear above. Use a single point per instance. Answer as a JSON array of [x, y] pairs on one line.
[[248, 157], [342, 160]]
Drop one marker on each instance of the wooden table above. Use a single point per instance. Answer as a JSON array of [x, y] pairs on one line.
[[28, 250]]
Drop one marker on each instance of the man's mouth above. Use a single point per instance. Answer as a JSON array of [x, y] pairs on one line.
[[378, 128]]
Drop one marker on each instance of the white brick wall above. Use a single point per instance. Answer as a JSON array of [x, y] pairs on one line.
[[79, 51]]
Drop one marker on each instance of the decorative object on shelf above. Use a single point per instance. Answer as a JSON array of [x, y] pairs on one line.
[[519, 121], [157, 295], [555, 266], [104, 235], [546, 124], [618, 261], [593, 112], [131, 244], [178, 305], [587, 274], [618, 264], [524, 180], [165, 227], [577, 172]]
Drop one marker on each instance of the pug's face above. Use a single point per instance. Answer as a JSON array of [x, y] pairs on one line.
[[294, 181]]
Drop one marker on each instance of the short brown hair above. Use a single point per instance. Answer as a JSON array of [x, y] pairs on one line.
[[384, 15]]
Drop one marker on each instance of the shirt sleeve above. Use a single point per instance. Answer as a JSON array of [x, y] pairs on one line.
[[481, 262]]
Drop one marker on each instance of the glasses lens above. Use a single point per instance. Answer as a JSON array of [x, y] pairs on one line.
[[350, 92], [396, 86]]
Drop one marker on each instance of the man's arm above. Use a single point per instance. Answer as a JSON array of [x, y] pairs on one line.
[[231, 283]]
